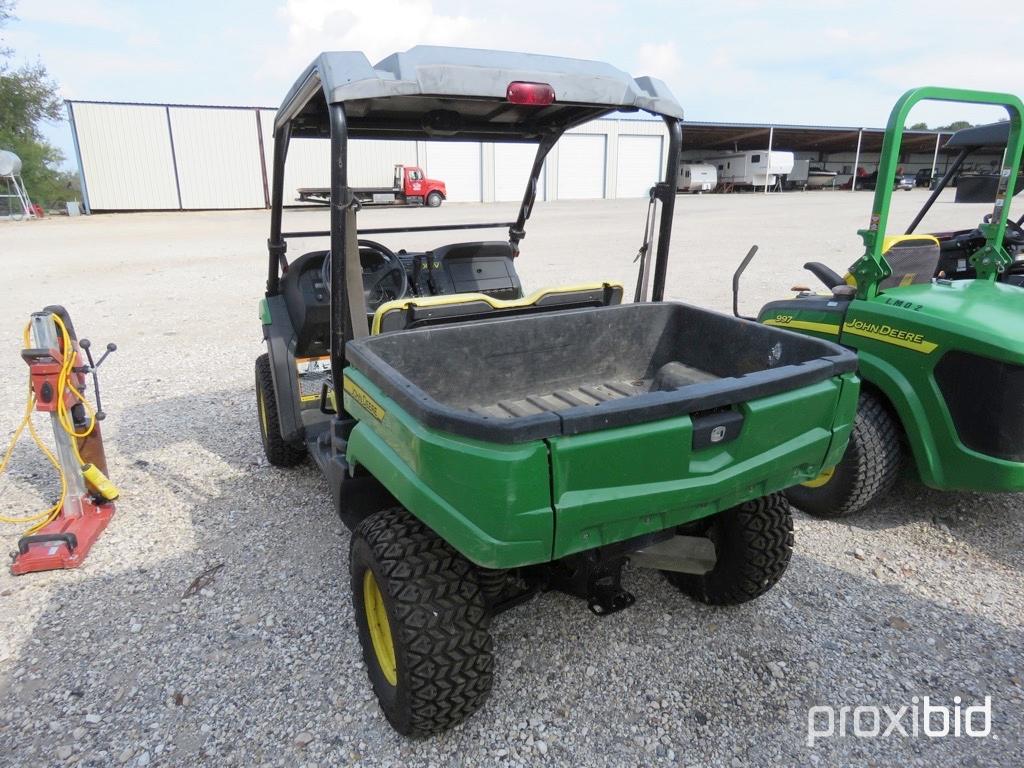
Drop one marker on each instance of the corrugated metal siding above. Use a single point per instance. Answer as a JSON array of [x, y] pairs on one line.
[[458, 165], [128, 163], [372, 163], [512, 164], [126, 156], [218, 157]]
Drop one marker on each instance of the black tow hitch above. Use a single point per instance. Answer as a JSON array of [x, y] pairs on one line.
[[597, 580]]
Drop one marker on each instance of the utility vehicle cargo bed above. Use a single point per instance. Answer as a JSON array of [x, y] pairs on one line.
[[567, 373]]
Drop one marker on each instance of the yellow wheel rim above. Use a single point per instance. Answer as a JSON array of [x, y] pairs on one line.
[[263, 412], [821, 479], [380, 628]]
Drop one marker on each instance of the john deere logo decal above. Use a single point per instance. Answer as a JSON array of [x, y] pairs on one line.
[[358, 394], [890, 335]]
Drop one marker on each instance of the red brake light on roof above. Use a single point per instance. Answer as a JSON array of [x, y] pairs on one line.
[[532, 94]]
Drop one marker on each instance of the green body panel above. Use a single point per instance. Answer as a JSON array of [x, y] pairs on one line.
[[975, 316], [811, 322], [900, 335], [615, 484], [493, 502]]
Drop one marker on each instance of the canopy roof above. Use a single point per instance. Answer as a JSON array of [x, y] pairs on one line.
[[993, 135], [432, 92]]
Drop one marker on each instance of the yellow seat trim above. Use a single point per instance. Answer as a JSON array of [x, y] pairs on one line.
[[464, 298], [890, 240]]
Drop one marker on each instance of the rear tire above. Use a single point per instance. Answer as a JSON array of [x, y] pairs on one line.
[[425, 630], [279, 452], [434, 200], [868, 470], [753, 545]]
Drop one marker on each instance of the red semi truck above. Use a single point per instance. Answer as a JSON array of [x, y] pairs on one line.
[[411, 187]]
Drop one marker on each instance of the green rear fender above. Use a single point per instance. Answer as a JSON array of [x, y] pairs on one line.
[[491, 502]]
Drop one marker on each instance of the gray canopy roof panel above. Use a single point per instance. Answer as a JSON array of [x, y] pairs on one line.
[[415, 94], [993, 135]]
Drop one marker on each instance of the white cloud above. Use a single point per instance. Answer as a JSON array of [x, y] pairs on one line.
[[659, 60], [376, 27]]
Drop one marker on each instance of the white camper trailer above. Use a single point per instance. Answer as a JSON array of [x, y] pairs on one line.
[[751, 168], [697, 177]]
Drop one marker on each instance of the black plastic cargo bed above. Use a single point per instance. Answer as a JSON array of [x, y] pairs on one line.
[[564, 373]]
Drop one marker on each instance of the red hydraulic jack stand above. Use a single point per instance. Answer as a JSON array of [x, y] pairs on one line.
[[88, 504]]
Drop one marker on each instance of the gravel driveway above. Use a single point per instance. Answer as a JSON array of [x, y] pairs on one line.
[[110, 665]]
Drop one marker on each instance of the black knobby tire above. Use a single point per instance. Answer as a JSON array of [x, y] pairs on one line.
[[868, 470], [438, 623], [753, 546], [434, 200], [279, 452]]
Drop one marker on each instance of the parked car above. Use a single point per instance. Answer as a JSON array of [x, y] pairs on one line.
[[906, 181]]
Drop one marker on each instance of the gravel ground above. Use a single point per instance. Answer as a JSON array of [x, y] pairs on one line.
[[109, 665]]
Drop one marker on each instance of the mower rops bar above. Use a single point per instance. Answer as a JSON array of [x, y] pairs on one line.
[[936, 322]]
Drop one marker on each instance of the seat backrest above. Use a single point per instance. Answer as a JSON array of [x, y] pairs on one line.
[[404, 314], [913, 259]]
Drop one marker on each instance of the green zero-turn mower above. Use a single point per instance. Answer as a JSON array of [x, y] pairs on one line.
[[936, 322], [484, 445]]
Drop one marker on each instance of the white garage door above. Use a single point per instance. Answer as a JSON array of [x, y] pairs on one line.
[[512, 164], [581, 160], [457, 164], [639, 165]]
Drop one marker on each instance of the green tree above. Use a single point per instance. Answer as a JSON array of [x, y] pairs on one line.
[[956, 125], [919, 127], [28, 98]]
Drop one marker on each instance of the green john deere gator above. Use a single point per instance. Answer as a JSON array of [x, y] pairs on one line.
[[935, 320], [483, 444]]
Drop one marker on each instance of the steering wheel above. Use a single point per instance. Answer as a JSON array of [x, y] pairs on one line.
[[384, 276], [1014, 234]]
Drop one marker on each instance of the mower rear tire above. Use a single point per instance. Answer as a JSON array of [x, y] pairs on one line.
[[279, 452], [423, 624], [868, 470], [753, 545]]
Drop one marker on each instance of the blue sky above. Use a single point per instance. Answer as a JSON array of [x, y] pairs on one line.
[[833, 62]]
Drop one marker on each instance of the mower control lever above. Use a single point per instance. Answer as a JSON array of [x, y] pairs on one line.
[[86, 346]]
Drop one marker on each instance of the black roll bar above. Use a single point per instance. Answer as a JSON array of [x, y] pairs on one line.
[[517, 231], [341, 200], [276, 246], [666, 193]]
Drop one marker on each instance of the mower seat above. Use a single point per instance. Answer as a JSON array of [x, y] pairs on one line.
[[912, 258], [408, 313], [826, 274]]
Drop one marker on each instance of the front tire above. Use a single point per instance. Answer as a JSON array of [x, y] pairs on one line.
[[279, 452], [434, 200], [423, 624], [753, 546], [868, 470]]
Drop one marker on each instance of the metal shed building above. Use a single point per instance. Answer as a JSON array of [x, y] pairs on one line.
[[135, 157]]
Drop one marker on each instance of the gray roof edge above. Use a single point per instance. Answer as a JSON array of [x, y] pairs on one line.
[[470, 72]]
